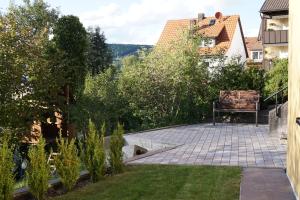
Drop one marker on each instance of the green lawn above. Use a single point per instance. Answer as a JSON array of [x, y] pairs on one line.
[[163, 183]]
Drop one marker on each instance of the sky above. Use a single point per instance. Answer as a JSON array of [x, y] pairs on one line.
[[142, 21]]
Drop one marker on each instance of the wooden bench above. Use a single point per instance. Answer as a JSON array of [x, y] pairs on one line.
[[239, 101]]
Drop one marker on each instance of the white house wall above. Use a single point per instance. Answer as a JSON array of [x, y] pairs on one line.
[[237, 48]]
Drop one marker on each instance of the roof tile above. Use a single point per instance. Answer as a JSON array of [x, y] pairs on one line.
[[275, 5], [253, 44]]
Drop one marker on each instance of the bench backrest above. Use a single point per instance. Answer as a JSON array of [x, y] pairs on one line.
[[239, 99]]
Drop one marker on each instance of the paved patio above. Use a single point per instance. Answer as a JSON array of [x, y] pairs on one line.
[[204, 144]]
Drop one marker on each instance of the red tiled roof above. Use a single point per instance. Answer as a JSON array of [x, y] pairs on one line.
[[223, 31]]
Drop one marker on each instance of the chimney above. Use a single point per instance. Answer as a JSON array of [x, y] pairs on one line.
[[201, 16], [219, 16]]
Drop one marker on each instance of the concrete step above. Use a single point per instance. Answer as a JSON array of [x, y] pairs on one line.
[[265, 184]]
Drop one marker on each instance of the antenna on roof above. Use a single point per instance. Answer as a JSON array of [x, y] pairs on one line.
[[219, 15]]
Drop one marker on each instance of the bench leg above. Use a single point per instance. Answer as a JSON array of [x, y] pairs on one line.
[[256, 118], [214, 113]]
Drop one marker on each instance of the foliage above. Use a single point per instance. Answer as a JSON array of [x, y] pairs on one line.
[[38, 172], [101, 101], [7, 181], [277, 77], [67, 162], [94, 153], [99, 54], [255, 78], [168, 85], [234, 76], [229, 76], [24, 68], [115, 153]]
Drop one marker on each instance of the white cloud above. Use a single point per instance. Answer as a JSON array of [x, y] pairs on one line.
[[142, 22]]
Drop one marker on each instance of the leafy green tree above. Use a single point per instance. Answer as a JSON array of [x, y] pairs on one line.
[[69, 66], [168, 85], [24, 68], [99, 55], [101, 101]]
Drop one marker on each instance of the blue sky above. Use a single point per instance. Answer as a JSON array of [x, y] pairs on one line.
[[142, 21]]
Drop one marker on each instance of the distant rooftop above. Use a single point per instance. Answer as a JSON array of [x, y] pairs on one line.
[[253, 44], [275, 6], [221, 29]]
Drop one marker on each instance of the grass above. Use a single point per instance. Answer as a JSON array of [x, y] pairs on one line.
[[163, 183]]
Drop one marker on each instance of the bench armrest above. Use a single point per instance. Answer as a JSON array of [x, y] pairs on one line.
[[216, 104]]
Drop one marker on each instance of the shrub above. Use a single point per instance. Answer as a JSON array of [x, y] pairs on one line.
[[101, 100], [277, 77], [234, 76], [6, 170], [115, 154], [94, 153], [67, 162], [38, 172], [229, 76], [255, 78]]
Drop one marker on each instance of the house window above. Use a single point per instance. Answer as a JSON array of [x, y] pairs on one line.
[[257, 56]]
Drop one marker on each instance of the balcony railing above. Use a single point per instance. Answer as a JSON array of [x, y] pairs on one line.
[[276, 37]]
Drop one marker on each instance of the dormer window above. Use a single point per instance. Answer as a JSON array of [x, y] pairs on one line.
[[210, 42], [212, 22]]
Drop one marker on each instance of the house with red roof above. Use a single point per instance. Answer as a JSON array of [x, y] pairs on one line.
[[223, 35], [255, 52]]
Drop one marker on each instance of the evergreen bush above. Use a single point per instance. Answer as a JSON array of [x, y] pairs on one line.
[[6, 170], [116, 154], [38, 172], [94, 153], [67, 162]]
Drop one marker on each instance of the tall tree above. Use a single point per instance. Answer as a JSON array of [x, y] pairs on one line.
[[100, 55], [69, 67], [24, 71]]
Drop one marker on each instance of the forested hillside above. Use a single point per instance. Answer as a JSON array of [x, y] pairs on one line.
[[122, 50]]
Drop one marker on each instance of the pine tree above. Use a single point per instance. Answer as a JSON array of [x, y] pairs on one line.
[[100, 55]]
